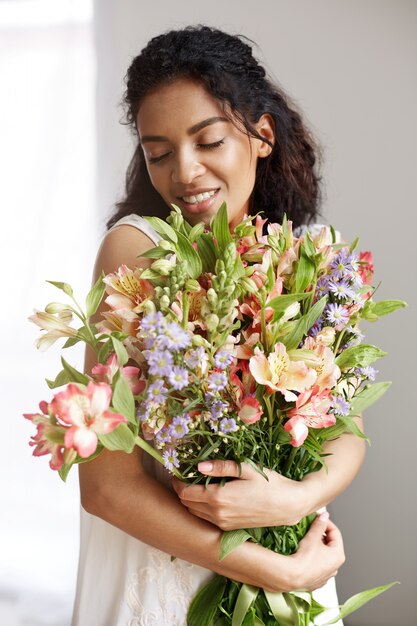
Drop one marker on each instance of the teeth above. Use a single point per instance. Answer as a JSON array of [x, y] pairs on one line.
[[199, 197]]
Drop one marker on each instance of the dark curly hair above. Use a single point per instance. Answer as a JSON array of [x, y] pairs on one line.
[[286, 180]]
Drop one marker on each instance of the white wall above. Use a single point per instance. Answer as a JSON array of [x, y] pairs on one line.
[[351, 66]]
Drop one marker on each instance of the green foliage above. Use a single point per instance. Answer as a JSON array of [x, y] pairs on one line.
[[120, 350], [368, 396], [203, 607], [65, 287], [62, 378], [231, 540], [123, 401], [121, 438], [220, 227], [189, 256], [162, 228], [355, 602], [73, 374], [359, 356], [95, 296]]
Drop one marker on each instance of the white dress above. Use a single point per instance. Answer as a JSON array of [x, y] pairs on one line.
[[125, 582]]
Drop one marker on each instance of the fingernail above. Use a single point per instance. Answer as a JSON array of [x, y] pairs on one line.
[[321, 510], [205, 466], [323, 517]]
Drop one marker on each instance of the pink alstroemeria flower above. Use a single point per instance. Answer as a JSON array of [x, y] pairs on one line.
[[366, 271], [328, 373], [41, 442], [86, 414], [311, 410], [250, 410], [279, 373], [105, 374]]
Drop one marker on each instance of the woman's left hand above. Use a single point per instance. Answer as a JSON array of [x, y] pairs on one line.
[[249, 501]]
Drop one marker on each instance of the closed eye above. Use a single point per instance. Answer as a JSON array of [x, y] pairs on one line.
[[204, 146]]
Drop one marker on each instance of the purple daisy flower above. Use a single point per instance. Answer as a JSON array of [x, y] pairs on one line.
[[341, 289], [195, 357], [175, 337], [368, 372], [223, 359], [340, 406], [336, 314], [163, 436], [343, 263], [322, 287], [178, 377], [143, 412], [179, 426], [217, 381], [217, 409], [228, 425], [170, 456], [156, 392], [160, 362]]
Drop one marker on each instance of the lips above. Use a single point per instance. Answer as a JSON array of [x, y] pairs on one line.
[[198, 200], [199, 197]]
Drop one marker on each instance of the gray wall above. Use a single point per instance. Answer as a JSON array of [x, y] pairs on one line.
[[351, 66]]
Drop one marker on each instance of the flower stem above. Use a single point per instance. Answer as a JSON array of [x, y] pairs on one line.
[[144, 445]]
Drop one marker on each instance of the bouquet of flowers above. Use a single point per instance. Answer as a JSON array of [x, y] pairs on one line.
[[242, 346]]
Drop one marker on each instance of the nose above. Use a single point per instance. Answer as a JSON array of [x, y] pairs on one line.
[[186, 167]]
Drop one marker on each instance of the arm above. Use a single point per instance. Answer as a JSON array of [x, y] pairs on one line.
[[115, 487], [279, 500]]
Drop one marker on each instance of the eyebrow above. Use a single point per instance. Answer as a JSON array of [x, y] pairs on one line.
[[191, 131]]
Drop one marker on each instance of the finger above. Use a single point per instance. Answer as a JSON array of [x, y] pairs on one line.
[[225, 469], [317, 529], [333, 535]]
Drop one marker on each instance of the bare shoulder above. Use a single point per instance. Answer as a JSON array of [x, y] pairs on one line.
[[122, 245]]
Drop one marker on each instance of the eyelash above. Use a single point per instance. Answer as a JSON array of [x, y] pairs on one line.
[[204, 146]]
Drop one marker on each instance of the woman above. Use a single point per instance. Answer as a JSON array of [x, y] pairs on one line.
[[210, 128]]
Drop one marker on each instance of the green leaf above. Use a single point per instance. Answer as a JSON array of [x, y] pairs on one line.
[[231, 540], [155, 253], [333, 232], [203, 607], [247, 595], [65, 287], [105, 350], [359, 356], [314, 313], [189, 256], [61, 379], [283, 608], [120, 350], [94, 296], [385, 307], [64, 471], [309, 247], [123, 401], [207, 252], [121, 438], [351, 426], [354, 244], [74, 375], [71, 341], [220, 227], [305, 271], [357, 601], [196, 231], [280, 303], [367, 397], [162, 228]]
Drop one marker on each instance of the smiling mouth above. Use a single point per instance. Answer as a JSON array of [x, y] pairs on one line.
[[200, 197]]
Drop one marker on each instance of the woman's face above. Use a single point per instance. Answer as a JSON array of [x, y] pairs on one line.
[[197, 158]]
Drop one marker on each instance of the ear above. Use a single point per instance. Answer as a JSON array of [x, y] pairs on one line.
[[266, 128]]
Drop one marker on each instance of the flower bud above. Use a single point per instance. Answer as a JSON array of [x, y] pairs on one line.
[[248, 285], [164, 302], [148, 306], [326, 336], [166, 245], [212, 322], [57, 307], [212, 297], [198, 340], [162, 266], [192, 285]]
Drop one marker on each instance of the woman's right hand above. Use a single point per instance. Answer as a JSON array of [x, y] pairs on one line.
[[319, 555]]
